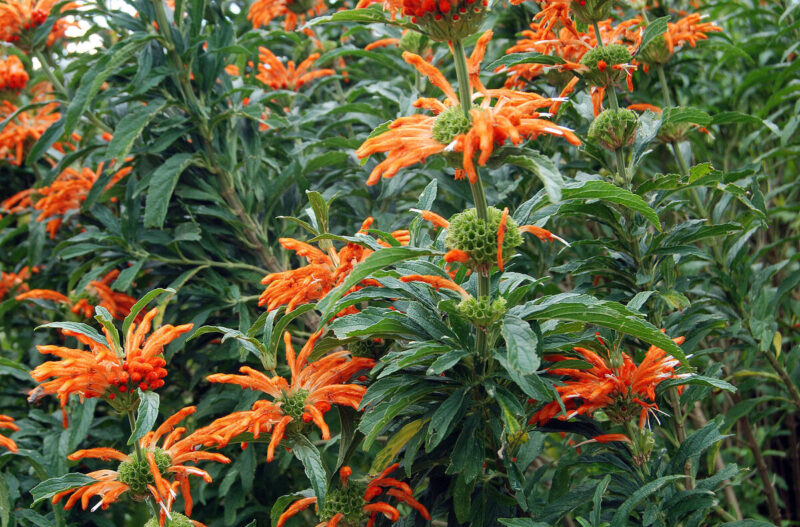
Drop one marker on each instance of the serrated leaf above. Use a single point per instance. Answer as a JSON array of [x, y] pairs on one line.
[[620, 518], [77, 327], [654, 29], [140, 304], [442, 418], [607, 192], [162, 185], [130, 127], [49, 488], [309, 456], [545, 170], [394, 445], [521, 344], [146, 415]]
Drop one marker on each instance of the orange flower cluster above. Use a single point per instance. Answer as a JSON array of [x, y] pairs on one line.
[[413, 139], [313, 388], [617, 390], [28, 126], [14, 281], [274, 74], [165, 461], [118, 304], [569, 44], [100, 371], [441, 9], [12, 74], [7, 423], [367, 508], [20, 16], [67, 192], [263, 11], [323, 272]]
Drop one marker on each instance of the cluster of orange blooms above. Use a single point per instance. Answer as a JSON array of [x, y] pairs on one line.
[[20, 16], [64, 195], [28, 126], [13, 75]]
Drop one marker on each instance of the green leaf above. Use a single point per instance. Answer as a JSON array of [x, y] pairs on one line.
[[533, 57], [130, 127], [620, 519], [140, 304], [654, 29], [698, 380], [545, 170], [585, 308], [442, 418], [521, 343], [697, 443], [394, 445], [748, 523], [685, 115], [374, 262], [5, 502], [251, 344], [309, 456], [45, 141], [49, 488], [105, 318], [608, 192], [283, 502], [77, 327], [597, 501], [146, 415], [522, 522], [162, 185], [320, 208], [370, 15]]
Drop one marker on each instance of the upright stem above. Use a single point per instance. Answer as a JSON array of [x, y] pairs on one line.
[[478, 195], [132, 422], [680, 431]]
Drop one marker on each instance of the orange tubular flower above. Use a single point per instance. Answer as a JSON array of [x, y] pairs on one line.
[[323, 272], [13, 76], [273, 73], [13, 281], [617, 390], [437, 282], [263, 11], [7, 423], [313, 388], [357, 499], [688, 30], [99, 372], [410, 140], [25, 129], [20, 16], [67, 192], [164, 462]]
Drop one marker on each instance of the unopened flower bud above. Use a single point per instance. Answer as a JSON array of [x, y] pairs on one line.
[[446, 20], [614, 129], [600, 62], [478, 238], [482, 311], [591, 11], [654, 53], [414, 42]]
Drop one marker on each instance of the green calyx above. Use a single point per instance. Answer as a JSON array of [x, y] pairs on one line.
[[462, 21], [136, 472], [600, 62], [369, 348], [449, 124], [478, 238], [293, 404], [178, 520], [655, 52], [414, 42], [482, 311], [614, 129], [347, 500], [674, 132], [591, 11]]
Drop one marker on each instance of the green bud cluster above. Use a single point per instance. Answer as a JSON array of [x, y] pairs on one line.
[[478, 238], [482, 311], [414, 42], [673, 132], [605, 76], [294, 404], [591, 11], [655, 52], [369, 348], [178, 520], [450, 123], [347, 500], [614, 129], [136, 472]]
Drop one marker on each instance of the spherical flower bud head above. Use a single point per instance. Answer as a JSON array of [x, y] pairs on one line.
[[478, 238], [369, 348], [482, 311], [137, 475], [674, 132], [591, 11], [449, 124], [414, 42], [293, 403], [446, 20], [347, 500], [600, 62], [178, 520], [614, 129], [654, 53]]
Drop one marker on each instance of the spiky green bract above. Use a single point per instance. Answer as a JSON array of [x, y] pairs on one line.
[[600, 61], [478, 238], [614, 129]]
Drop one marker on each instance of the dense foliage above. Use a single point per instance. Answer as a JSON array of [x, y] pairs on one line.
[[464, 262]]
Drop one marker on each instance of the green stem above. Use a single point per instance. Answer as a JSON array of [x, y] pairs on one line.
[[610, 90], [137, 446], [462, 73], [664, 88], [623, 172], [598, 35], [680, 431]]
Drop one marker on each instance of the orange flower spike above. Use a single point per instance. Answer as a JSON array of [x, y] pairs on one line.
[[294, 508], [433, 218], [456, 255], [43, 294], [501, 234], [7, 423], [382, 43], [13, 76], [344, 474], [437, 282]]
